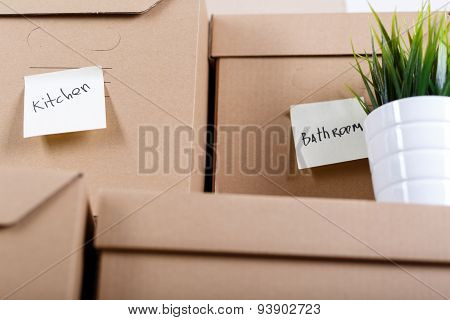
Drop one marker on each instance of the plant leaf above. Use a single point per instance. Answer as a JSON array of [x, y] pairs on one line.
[[409, 63]]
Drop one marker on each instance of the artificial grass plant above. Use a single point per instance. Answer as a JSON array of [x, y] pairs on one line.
[[415, 62]]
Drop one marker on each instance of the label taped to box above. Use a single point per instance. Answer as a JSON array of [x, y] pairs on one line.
[[328, 132], [64, 101]]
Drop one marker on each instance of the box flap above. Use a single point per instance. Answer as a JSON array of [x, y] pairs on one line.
[[39, 7], [296, 34], [24, 189], [273, 226]]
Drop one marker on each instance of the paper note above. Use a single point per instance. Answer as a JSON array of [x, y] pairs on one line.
[[328, 132], [65, 101]]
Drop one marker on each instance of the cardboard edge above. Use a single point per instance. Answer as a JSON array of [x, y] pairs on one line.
[[148, 7], [357, 251], [48, 197], [197, 179], [215, 119], [241, 50], [75, 277]]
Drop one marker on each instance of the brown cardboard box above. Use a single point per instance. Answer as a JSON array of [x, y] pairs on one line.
[[155, 60], [200, 246], [43, 220], [265, 64]]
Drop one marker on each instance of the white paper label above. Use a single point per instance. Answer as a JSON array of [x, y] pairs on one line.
[[328, 132], [64, 101]]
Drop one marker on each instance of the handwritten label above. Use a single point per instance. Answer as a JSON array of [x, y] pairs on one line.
[[64, 101], [328, 132]]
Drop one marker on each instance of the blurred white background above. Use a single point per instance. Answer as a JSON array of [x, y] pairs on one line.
[[308, 6]]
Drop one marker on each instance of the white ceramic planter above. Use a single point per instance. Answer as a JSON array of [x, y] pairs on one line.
[[408, 143]]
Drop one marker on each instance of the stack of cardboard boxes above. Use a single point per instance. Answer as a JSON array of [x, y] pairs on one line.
[[154, 55], [157, 235]]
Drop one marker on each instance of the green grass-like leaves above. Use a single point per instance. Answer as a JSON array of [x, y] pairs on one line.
[[411, 63]]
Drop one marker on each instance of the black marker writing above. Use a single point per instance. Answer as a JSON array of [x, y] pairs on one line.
[[322, 134], [49, 102]]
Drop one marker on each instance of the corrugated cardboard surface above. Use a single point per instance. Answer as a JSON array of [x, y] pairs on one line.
[[156, 74], [238, 247], [258, 92], [296, 34], [167, 277], [41, 243], [8, 7], [265, 64]]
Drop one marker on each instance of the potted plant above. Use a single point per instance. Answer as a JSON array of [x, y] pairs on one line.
[[407, 129]]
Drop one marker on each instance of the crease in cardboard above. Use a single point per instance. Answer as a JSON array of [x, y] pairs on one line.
[[110, 49], [19, 216]]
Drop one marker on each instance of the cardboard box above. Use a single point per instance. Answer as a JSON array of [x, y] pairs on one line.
[[155, 60], [265, 64], [200, 246], [43, 219]]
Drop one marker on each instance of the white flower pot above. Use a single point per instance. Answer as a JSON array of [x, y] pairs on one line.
[[408, 143]]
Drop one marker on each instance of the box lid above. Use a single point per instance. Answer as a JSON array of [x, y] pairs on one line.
[[39, 7], [273, 226], [296, 34], [22, 190]]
